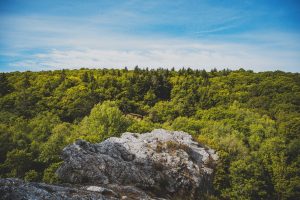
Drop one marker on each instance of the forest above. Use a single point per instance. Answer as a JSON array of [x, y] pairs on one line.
[[251, 118]]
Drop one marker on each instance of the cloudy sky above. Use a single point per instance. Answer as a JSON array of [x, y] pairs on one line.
[[53, 34]]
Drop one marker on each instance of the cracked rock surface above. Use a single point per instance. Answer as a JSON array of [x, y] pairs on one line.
[[16, 189], [169, 164], [157, 165]]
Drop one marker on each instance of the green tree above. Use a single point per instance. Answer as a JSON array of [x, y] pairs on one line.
[[6, 143], [50, 175], [105, 120], [142, 126], [4, 85], [17, 163], [163, 111], [31, 175], [42, 125], [247, 180], [60, 137], [150, 98]]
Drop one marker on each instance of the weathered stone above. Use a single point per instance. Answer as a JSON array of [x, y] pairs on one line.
[[168, 164], [16, 189]]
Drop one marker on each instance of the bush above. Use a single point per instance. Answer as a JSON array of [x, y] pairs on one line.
[[104, 121], [31, 175], [49, 173]]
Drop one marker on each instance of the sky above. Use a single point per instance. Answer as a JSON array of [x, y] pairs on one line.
[[259, 35]]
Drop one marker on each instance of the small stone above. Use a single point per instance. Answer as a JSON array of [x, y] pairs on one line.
[[95, 188]]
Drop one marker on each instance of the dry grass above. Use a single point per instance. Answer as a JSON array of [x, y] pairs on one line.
[[173, 146]]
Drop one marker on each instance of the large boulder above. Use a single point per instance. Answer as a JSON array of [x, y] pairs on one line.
[[166, 164]]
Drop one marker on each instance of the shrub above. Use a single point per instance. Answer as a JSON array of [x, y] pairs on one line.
[[31, 175]]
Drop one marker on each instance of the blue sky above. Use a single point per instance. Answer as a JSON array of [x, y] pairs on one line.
[[45, 35]]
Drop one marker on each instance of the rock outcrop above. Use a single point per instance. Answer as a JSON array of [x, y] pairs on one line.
[[157, 165], [16, 189]]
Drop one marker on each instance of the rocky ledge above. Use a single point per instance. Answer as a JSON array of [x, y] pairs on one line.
[[157, 165]]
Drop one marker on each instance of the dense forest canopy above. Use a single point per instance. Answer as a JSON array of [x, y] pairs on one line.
[[251, 119]]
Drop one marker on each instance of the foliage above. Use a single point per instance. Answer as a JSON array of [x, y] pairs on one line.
[[104, 121], [50, 150], [49, 173], [142, 126], [251, 119], [31, 175]]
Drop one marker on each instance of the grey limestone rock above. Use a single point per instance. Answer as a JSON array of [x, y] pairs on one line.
[[167, 164], [16, 189]]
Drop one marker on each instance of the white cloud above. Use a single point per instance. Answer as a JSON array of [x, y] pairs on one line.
[[56, 42], [120, 52]]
